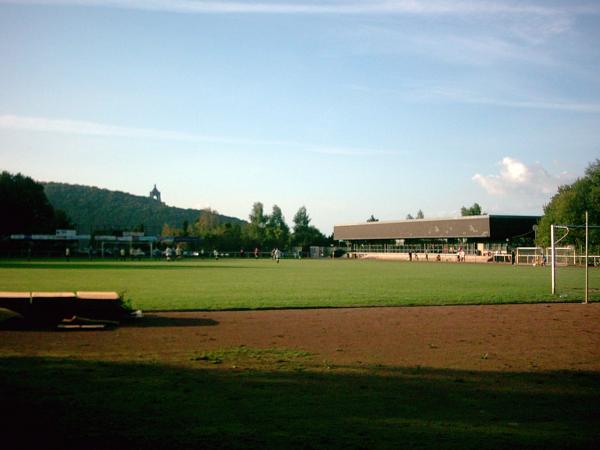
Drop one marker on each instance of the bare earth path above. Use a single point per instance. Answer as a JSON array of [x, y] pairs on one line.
[[499, 338]]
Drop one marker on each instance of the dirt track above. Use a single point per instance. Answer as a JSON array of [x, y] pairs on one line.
[[505, 337]]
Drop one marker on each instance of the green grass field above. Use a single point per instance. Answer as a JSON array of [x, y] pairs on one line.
[[57, 402], [251, 284], [70, 404]]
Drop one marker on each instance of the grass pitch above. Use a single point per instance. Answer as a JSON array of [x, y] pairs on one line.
[[252, 284], [70, 404]]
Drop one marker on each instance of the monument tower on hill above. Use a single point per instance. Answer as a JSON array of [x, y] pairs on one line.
[[155, 193]]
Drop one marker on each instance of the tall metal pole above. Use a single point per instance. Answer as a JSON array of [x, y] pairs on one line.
[[586, 258], [553, 260]]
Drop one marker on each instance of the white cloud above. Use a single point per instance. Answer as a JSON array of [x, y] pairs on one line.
[[518, 178]]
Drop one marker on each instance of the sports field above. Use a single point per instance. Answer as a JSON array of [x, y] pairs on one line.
[[466, 377], [254, 284]]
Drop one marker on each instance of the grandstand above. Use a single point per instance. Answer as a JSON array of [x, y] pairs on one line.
[[484, 236]]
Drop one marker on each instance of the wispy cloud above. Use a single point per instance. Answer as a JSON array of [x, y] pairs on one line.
[[79, 127], [67, 126], [413, 7], [344, 151], [461, 96], [530, 22], [516, 177], [423, 93]]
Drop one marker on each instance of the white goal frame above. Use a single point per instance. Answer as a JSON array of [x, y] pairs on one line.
[[553, 250], [530, 255]]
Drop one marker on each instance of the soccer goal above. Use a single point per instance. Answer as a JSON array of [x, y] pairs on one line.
[[533, 256], [566, 255]]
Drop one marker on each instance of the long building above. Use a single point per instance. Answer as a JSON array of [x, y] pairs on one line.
[[485, 229]]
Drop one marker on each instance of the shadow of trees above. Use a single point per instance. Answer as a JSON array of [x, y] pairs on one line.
[[67, 403]]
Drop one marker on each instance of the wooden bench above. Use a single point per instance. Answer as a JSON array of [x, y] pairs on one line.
[[51, 308], [18, 302], [99, 305]]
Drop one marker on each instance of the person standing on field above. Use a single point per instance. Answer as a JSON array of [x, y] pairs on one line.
[[277, 255]]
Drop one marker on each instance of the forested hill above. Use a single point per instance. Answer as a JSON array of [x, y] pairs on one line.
[[91, 208]]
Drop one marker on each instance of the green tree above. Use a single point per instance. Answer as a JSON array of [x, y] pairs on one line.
[[409, 217], [256, 227], [277, 233], [305, 234], [208, 221], [420, 214], [568, 207], [24, 207], [474, 210], [168, 231], [301, 219], [62, 221], [372, 219]]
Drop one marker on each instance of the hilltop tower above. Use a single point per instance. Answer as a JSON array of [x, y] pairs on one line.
[[155, 193]]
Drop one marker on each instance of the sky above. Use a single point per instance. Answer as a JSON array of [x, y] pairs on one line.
[[349, 108]]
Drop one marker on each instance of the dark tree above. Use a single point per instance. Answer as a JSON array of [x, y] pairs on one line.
[[474, 210], [24, 207], [277, 233], [305, 234]]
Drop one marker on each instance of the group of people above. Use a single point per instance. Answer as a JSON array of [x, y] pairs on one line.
[[169, 253]]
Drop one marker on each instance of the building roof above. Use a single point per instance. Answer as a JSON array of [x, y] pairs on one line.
[[485, 227]]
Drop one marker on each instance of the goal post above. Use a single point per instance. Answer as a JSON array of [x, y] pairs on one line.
[[566, 255]]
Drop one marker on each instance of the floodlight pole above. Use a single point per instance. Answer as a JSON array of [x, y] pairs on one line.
[[553, 260], [586, 258]]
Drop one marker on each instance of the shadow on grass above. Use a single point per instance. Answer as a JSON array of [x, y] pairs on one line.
[[121, 265], [70, 404]]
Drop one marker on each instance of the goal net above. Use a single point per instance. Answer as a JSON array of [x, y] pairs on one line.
[[533, 256], [564, 256]]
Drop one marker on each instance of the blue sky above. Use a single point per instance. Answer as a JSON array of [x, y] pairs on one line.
[[349, 108]]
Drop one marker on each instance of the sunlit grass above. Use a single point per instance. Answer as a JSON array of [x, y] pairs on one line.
[[241, 284]]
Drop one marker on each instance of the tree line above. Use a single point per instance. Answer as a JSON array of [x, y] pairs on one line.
[[568, 207], [263, 231], [25, 208]]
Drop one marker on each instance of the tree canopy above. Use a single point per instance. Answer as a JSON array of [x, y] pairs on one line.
[[264, 231], [24, 207], [277, 233], [92, 208], [305, 234], [568, 207], [474, 210]]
